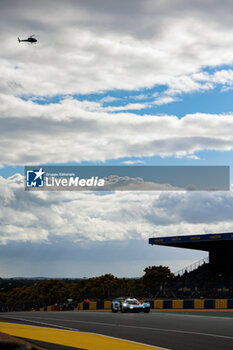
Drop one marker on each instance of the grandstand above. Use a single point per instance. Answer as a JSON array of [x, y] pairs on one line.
[[210, 279], [219, 246]]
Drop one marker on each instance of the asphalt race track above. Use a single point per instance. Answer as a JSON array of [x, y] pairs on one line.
[[171, 330]]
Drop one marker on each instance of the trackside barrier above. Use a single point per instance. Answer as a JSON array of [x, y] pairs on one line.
[[209, 304], [80, 306], [86, 306], [92, 305], [55, 308], [167, 304], [100, 305], [188, 304], [156, 304], [177, 304], [221, 304], [198, 304], [107, 304]]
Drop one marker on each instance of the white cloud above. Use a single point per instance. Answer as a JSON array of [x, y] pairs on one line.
[[82, 217], [139, 97], [74, 131], [163, 100], [109, 99], [131, 162], [88, 46], [127, 107], [200, 82], [224, 77], [193, 156]]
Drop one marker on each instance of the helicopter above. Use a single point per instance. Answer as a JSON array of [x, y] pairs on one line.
[[31, 39]]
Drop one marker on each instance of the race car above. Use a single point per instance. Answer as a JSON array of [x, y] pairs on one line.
[[130, 305]]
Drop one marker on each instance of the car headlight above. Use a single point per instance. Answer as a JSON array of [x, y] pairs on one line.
[[124, 304]]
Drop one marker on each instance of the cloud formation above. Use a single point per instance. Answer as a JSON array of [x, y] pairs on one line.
[[74, 131], [81, 217], [89, 46], [94, 47]]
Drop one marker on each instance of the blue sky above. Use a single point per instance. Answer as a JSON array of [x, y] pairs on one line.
[[149, 83], [217, 99], [213, 101]]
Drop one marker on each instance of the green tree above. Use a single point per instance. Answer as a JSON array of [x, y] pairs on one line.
[[155, 276]]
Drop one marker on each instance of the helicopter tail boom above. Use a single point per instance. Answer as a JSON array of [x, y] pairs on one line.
[[19, 40]]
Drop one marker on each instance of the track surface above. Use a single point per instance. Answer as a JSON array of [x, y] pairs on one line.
[[176, 331]]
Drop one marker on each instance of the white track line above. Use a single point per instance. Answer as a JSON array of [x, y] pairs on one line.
[[44, 323]]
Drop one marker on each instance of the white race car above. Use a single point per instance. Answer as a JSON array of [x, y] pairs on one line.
[[130, 305]]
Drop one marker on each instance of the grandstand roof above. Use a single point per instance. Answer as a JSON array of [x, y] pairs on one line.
[[204, 242]]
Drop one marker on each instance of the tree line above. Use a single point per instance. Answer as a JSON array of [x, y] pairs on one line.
[[106, 287]]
